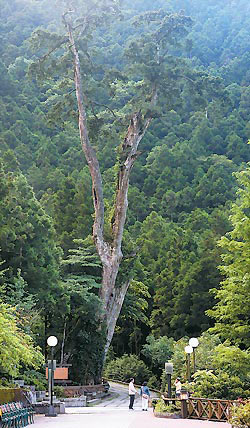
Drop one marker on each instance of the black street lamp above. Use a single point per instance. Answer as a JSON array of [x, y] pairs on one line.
[[169, 372], [52, 342], [188, 350], [194, 342]]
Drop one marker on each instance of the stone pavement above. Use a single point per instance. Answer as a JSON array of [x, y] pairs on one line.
[[107, 417]]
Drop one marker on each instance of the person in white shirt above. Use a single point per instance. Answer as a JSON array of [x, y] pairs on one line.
[[131, 393], [177, 387]]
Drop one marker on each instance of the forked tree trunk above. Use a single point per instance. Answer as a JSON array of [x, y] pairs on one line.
[[112, 296]]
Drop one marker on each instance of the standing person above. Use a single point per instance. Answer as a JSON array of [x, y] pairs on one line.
[[131, 393], [145, 395], [177, 387]]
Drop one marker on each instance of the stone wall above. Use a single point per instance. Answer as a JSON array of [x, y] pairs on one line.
[[8, 395], [77, 391], [43, 408], [74, 402]]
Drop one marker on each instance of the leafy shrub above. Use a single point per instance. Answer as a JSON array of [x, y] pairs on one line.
[[157, 351], [59, 391], [126, 367], [241, 416], [32, 377], [221, 385], [162, 407], [154, 383], [154, 401], [5, 382]]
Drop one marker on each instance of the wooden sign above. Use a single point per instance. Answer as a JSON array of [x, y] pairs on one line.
[[61, 373]]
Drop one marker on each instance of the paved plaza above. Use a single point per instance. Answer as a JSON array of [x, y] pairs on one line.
[[108, 417]]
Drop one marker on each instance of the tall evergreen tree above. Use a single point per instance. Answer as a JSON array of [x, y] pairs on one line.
[[28, 243], [231, 313]]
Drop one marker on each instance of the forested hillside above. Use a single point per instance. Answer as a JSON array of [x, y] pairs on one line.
[[187, 228]]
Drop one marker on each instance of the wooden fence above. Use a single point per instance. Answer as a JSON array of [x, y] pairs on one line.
[[204, 408], [209, 409]]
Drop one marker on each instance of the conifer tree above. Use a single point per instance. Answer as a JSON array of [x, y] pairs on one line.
[[233, 308]]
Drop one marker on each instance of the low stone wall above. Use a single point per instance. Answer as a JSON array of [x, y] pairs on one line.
[[90, 390], [8, 395], [74, 402], [43, 408], [167, 415]]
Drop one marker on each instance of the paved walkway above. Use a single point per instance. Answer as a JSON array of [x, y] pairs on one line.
[[107, 417], [112, 412]]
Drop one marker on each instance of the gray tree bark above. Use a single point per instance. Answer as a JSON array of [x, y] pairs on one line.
[[110, 253]]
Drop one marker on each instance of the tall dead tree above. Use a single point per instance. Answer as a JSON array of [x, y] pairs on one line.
[[110, 253], [167, 30]]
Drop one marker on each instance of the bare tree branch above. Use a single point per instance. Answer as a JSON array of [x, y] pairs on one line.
[[135, 133], [97, 189]]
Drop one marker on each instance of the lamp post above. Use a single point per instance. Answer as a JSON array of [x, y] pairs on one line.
[[169, 372], [52, 342], [188, 350], [194, 342]]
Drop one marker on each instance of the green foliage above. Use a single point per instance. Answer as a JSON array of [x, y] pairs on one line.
[[87, 351], [232, 310], [154, 382], [176, 260], [241, 416], [59, 391], [126, 367], [158, 351], [16, 347], [133, 316], [222, 369], [181, 189], [232, 360], [162, 407], [83, 338], [220, 385], [38, 379], [27, 239]]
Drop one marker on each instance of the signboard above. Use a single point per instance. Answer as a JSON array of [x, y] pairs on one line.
[[169, 368], [60, 373]]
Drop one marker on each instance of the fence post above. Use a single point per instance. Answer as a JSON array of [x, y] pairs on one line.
[[184, 410]]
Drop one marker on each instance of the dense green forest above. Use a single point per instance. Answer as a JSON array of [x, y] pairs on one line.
[[186, 238]]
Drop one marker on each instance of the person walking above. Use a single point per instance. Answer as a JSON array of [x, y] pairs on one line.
[[177, 387], [145, 395], [131, 393]]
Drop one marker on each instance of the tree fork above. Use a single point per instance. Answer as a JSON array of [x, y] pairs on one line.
[[110, 254]]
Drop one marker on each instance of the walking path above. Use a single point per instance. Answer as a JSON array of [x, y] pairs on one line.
[[107, 417], [113, 412]]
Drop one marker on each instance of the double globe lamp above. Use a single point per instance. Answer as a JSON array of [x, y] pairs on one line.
[[190, 349]]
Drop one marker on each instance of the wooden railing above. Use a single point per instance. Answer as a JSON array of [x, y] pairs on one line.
[[204, 408], [209, 409]]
